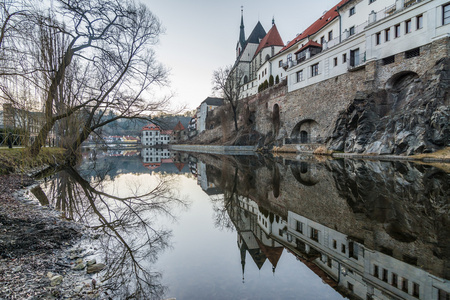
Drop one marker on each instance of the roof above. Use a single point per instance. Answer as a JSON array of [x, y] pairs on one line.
[[213, 101], [310, 43], [257, 34], [152, 127], [272, 38], [179, 126], [167, 132], [324, 20]]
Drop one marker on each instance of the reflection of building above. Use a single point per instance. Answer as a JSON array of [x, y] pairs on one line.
[[202, 180], [343, 262], [153, 135], [178, 133]]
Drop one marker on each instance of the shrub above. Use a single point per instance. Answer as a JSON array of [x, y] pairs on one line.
[[271, 80], [277, 80]]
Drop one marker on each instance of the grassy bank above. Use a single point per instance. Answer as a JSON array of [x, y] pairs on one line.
[[18, 160]]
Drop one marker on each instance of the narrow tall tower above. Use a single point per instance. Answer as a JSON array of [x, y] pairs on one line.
[[241, 43]]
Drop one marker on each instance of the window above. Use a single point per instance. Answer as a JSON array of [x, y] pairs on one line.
[[446, 14], [280, 232], [394, 280], [377, 38], [352, 30], [280, 63], [314, 70], [289, 57], [299, 78], [299, 226], [314, 234], [350, 286], [334, 244], [330, 35], [408, 26], [322, 40], [343, 248], [388, 60], [372, 1], [419, 22], [375, 271], [344, 58], [385, 275], [397, 30], [354, 57], [352, 11], [387, 35], [405, 285], [329, 262], [416, 290], [335, 62], [412, 53]]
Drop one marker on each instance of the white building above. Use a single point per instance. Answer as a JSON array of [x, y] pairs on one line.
[[209, 104], [153, 135]]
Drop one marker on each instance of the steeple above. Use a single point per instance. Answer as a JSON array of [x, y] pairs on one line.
[[242, 32]]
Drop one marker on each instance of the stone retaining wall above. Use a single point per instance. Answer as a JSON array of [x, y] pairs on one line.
[[234, 150]]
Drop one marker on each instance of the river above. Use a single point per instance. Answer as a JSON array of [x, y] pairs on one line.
[[197, 226]]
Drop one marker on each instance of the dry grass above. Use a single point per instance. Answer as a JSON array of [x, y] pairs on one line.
[[444, 153], [18, 159], [321, 150]]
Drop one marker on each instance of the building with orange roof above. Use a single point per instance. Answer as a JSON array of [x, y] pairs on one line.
[[153, 135]]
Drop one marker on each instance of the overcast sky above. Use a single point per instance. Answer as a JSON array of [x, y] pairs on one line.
[[201, 36]]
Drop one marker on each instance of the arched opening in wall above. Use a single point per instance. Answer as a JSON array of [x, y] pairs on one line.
[[304, 174], [400, 81], [245, 79], [276, 119], [267, 57], [305, 132]]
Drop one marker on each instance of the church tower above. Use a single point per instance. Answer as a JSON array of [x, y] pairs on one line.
[[241, 43]]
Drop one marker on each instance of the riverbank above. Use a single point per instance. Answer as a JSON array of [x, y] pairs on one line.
[[38, 249]]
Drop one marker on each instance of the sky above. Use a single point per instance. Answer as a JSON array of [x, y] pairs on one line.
[[201, 35]]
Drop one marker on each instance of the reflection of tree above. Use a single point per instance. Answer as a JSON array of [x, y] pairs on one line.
[[128, 238]]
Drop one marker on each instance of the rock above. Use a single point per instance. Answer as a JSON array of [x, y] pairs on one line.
[[50, 274], [56, 280], [79, 267], [79, 261], [95, 268], [78, 289], [91, 262]]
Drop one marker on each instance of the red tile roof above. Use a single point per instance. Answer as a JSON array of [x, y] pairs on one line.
[[316, 26], [152, 127], [272, 38], [308, 44], [179, 126]]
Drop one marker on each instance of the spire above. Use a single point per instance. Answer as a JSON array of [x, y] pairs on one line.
[[242, 32], [273, 20]]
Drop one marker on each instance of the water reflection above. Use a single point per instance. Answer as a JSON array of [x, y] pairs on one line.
[[123, 216], [371, 230]]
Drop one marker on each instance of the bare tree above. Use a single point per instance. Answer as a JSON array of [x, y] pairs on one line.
[[111, 43], [228, 81]]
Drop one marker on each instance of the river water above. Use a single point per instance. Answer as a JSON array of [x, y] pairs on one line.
[[197, 226]]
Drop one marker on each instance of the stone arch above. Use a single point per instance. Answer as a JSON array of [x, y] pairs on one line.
[[305, 131], [304, 173], [276, 119], [400, 80]]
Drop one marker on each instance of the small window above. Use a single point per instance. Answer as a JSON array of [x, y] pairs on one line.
[[329, 262], [314, 70], [299, 76], [446, 14], [299, 226], [343, 248], [372, 1], [314, 234], [375, 271], [280, 232], [416, 290], [335, 61], [397, 30], [408, 26], [289, 57], [394, 280], [352, 30], [344, 58], [405, 285], [419, 22], [350, 287], [385, 275], [334, 244], [352, 11], [412, 53], [330, 35], [388, 60], [387, 35], [322, 40], [280, 63], [377, 38]]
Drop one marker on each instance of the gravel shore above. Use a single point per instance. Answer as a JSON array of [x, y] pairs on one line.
[[37, 249]]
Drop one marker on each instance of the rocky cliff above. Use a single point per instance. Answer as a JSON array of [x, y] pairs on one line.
[[409, 115]]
